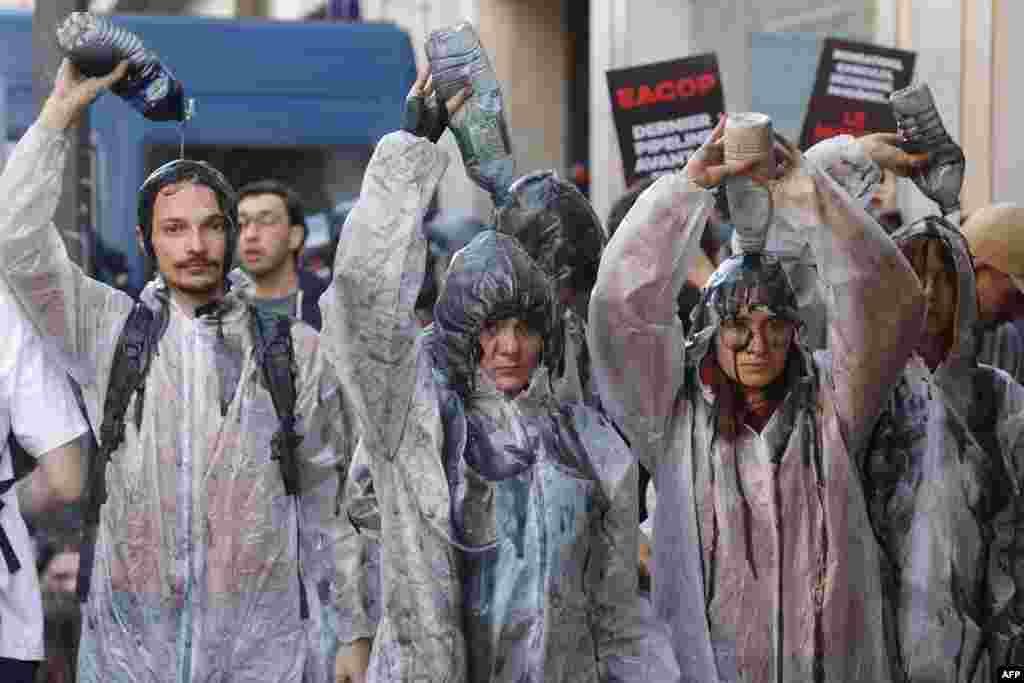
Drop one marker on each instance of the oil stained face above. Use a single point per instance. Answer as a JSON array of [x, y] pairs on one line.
[[752, 347], [510, 352]]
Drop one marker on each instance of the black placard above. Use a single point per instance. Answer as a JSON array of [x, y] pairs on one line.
[[852, 88], [664, 111]]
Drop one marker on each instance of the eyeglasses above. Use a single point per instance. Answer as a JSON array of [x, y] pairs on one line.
[[737, 334], [263, 219]]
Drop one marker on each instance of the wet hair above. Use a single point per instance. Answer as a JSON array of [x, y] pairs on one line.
[[290, 198], [731, 407], [196, 173]]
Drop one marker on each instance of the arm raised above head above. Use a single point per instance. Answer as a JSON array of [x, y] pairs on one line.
[[69, 310], [369, 326], [634, 334], [875, 302]]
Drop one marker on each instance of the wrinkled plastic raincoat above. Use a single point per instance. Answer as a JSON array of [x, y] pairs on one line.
[[764, 562], [508, 526], [197, 557], [943, 477], [1002, 347]]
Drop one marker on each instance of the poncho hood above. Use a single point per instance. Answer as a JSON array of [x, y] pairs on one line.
[[557, 227], [493, 278], [965, 344]]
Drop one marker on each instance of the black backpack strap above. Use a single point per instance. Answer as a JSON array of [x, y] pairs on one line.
[[6, 549], [132, 356], [275, 354]]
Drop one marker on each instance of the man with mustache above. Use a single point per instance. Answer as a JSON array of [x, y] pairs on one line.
[[203, 567]]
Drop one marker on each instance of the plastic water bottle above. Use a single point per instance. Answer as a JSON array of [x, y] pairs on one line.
[[749, 136], [942, 178], [457, 59], [96, 45]]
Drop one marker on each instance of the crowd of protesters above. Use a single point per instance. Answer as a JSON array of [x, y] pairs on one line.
[[546, 449]]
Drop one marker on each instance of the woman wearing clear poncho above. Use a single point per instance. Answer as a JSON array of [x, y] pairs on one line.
[[508, 520], [765, 566]]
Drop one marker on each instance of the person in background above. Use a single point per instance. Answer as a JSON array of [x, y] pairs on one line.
[[558, 228], [39, 409], [942, 477], [57, 562], [884, 204], [995, 236], [273, 231]]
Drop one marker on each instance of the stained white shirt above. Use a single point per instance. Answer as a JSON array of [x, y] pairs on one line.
[[37, 405]]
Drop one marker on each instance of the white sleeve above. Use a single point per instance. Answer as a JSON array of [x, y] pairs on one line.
[[43, 409]]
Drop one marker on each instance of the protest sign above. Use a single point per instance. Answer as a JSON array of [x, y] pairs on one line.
[[852, 88], [663, 112]]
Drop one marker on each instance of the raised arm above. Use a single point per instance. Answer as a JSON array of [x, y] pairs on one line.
[[369, 326], [875, 302], [71, 312], [857, 163], [634, 335]]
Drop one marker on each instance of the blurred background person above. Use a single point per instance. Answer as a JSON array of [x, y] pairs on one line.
[[58, 559], [997, 246], [273, 232]]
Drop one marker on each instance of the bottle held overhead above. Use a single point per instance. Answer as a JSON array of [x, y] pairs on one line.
[[458, 59], [941, 179], [749, 136], [97, 45]]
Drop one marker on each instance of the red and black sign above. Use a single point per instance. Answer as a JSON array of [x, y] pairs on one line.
[[663, 112], [852, 88]]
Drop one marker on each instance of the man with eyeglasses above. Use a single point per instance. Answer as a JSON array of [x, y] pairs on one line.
[[273, 231]]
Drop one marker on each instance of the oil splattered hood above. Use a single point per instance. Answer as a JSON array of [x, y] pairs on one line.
[[490, 279], [965, 343], [557, 226]]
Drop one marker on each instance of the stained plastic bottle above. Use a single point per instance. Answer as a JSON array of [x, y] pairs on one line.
[[918, 118], [457, 59], [748, 135], [96, 45]]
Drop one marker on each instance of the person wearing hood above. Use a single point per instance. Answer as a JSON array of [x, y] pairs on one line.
[[507, 517], [559, 229], [765, 566], [200, 548], [942, 477], [860, 166]]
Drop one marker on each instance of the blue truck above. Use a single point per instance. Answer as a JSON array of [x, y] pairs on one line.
[[303, 102]]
